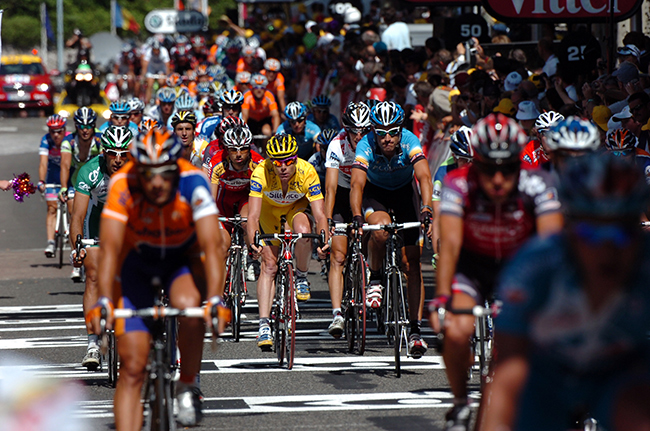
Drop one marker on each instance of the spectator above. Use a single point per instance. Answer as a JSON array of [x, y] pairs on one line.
[[545, 50], [397, 35]]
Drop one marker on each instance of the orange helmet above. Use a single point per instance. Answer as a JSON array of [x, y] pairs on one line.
[[156, 147]]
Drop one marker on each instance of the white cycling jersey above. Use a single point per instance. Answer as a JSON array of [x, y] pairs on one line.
[[340, 155]]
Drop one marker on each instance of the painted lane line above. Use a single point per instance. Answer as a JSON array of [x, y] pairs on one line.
[[8, 129]]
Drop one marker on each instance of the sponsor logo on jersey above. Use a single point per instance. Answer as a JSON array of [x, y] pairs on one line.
[[83, 186], [314, 190], [255, 186], [94, 176]]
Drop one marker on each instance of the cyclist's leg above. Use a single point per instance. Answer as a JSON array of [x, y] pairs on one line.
[[50, 219], [458, 331], [134, 351], [337, 260], [91, 293], [265, 288], [149, 87], [377, 242], [301, 224], [413, 271]]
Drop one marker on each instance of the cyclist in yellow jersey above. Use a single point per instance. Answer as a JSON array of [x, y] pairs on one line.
[[283, 185]]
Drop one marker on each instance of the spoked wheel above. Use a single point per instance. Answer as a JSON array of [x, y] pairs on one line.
[[291, 316], [59, 247], [161, 414], [279, 334], [359, 287], [112, 364], [348, 309], [235, 290], [397, 324]]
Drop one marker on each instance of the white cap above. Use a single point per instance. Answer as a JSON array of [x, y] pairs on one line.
[[623, 115], [512, 81], [309, 25], [527, 111]]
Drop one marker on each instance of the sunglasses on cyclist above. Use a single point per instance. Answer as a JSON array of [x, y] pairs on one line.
[[120, 117], [299, 120], [135, 113], [230, 107], [288, 161], [361, 131], [167, 172], [85, 126], [625, 153], [598, 234], [392, 132], [114, 153], [57, 130], [321, 110], [491, 170], [259, 87]]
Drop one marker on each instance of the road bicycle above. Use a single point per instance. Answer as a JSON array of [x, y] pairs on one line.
[[392, 317], [482, 342], [62, 226], [235, 292], [354, 289], [159, 385], [284, 311]]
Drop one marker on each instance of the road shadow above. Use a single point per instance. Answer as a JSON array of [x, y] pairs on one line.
[[411, 422], [74, 293]]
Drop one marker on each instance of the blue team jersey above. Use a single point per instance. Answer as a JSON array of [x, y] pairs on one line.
[[331, 123], [53, 153], [389, 174], [205, 129], [305, 141], [132, 127]]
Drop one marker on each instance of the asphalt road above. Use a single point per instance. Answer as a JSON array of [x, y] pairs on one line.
[[41, 324]]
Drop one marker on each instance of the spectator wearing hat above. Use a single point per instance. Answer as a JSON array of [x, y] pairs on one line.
[[506, 107], [601, 115], [641, 41], [397, 35], [629, 53], [512, 81], [627, 121], [527, 113]]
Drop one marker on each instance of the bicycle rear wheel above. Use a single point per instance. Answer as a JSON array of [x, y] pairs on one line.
[[161, 404], [290, 316], [279, 333], [235, 294], [396, 323], [348, 306], [359, 289], [112, 359]]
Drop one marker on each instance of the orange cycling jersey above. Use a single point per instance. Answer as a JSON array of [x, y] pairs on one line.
[[277, 84], [159, 232], [242, 66], [258, 110]]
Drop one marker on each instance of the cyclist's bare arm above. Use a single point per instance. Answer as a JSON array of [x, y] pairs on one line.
[[209, 239], [281, 100], [275, 118], [331, 185], [42, 170], [357, 184], [111, 237], [435, 223], [510, 374], [143, 70], [318, 210], [244, 114], [549, 224], [423, 175], [79, 209], [451, 241], [253, 222], [66, 161]]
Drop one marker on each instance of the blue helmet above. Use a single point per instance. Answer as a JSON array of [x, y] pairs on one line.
[[203, 88], [325, 137], [184, 102], [295, 110], [573, 134], [166, 95], [387, 114], [120, 107], [460, 144], [602, 186], [321, 101]]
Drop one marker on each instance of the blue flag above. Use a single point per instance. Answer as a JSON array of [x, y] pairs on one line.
[[48, 26], [119, 20]]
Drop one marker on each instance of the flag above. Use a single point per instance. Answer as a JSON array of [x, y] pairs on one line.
[[180, 5], [48, 26], [125, 20]]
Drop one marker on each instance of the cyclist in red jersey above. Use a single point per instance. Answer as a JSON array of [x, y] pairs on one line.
[[260, 110], [536, 152], [215, 144], [488, 210]]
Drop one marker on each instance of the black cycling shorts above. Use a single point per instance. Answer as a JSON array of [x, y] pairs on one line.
[[405, 203]]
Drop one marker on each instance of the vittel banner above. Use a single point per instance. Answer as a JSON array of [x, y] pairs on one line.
[[561, 10]]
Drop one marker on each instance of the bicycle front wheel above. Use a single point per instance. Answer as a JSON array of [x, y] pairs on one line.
[[160, 404], [278, 318], [235, 294], [290, 305], [395, 315], [112, 359], [359, 287]]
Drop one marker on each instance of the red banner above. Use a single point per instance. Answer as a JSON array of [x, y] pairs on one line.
[[561, 10], [447, 2]]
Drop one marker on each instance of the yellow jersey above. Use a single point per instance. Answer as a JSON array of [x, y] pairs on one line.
[[304, 185]]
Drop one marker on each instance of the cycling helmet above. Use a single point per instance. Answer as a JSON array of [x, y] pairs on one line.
[[460, 144], [237, 138], [184, 102], [231, 97], [356, 115], [602, 185], [181, 39], [56, 121], [216, 88], [202, 70], [387, 114], [136, 105], [295, 110], [545, 120], [215, 70], [497, 139], [621, 140], [259, 80], [166, 95], [155, 44], [321, 101], [325, 137], [574, 134], [210, 106], [174, 80], [371, 103], [190, 75], [272, 64], [243, 78], [203, 88], [248, 51], [230, 122], [198, 40], [183, 117], [116, 138], [120, 107], [84, 116], [148, 124], [234, 45], [156, 147], [281, 146]]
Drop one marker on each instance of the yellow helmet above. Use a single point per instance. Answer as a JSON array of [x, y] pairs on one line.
[[281, 146]]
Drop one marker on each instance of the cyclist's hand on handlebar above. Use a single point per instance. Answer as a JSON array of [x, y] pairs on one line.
[[322, 251], [101, 315], [256, 250], [63, 194], [426, 217], [217, 315], [41, 186], [77, 261], [357, 223], [437, 303]]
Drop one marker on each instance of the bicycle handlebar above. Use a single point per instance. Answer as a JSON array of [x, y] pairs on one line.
[[480, 311], [233, 219], [288, 237], [158, 312], [645, 223], [390, 226]]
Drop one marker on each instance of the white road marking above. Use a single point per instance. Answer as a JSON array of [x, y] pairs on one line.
[[8, 129]]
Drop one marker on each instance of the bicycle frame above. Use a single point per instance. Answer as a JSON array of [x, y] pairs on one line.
[[236, 291]]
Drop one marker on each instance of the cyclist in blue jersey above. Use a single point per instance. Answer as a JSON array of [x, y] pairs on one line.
[[301, 128], [49, 172], [317, 160], [165, 109], [120, 116], [136, 111], [320, 114], [572, 335], [211, 120], [184, 102], [387, 162]]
